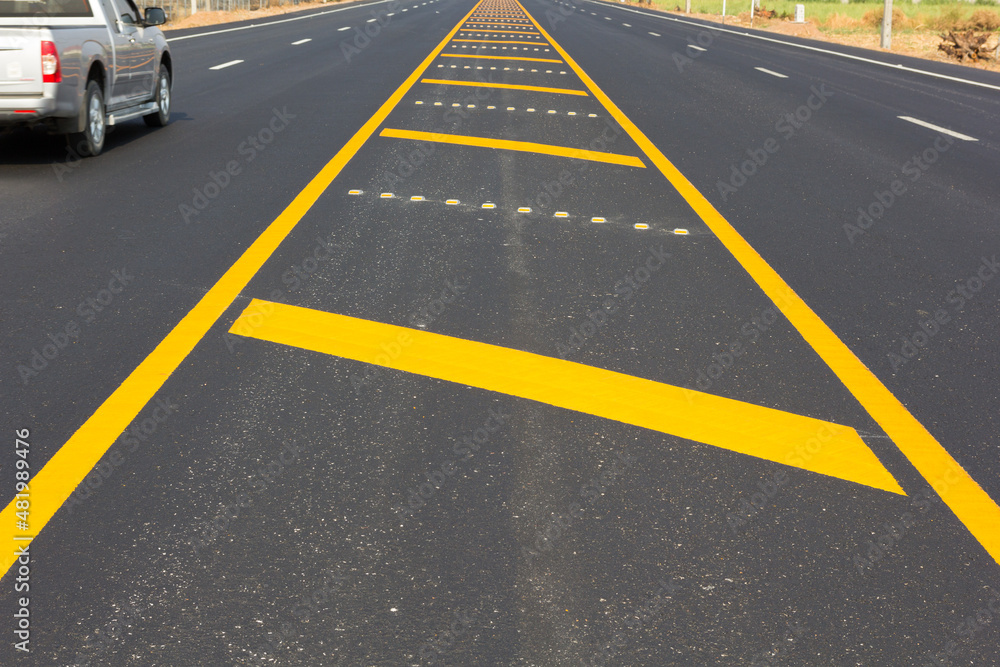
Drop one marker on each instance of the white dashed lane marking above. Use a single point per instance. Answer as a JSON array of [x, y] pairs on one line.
[[225, 65], [937, 128], [772, 73]]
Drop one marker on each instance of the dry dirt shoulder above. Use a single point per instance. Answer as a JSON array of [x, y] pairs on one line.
[[915, 44], [204, 18]]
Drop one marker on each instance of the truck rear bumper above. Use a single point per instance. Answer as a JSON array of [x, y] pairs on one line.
[[26, 110]]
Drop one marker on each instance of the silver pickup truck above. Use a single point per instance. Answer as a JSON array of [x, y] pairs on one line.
[[81, 66]]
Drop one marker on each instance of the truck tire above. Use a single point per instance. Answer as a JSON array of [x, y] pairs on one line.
[[90, 142], [161, 117]]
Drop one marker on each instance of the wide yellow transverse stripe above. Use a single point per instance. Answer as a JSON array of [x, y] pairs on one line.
[[510, 145], [722, 422], [506, 86]]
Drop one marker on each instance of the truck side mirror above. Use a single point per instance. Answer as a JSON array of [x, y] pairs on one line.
[[154, 16]]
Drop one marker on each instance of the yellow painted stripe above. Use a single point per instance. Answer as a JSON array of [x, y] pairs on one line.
[[500, 41], [536, 60], [511, 86], [721, 422], [970, 503], [523, 146], [54, 483]]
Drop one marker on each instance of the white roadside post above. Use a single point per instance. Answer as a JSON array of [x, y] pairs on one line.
[[887, 25], [194, 6], [723, 12], [687, 7]]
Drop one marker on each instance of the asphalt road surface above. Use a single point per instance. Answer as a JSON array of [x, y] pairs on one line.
[[509, 333]]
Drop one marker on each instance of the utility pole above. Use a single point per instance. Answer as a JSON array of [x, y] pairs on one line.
[[887, 25]]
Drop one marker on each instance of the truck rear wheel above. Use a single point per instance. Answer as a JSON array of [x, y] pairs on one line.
[[90, 142]]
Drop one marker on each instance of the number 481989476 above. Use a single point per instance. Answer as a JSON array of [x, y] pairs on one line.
[[22, 474]]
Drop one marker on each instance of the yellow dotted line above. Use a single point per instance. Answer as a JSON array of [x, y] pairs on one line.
[[521, 209], [490, 107], [502, 48], [505, 69]]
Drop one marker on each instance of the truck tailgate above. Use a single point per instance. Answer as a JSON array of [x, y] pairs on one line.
[[20, 62]]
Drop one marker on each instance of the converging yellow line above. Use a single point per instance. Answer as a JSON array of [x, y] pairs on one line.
[[970, 503], [511, 86], [721, 422], [535, 60], [522, 146], [66, 469]]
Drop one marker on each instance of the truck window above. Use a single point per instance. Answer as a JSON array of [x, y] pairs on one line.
[[36, 8], [126, 11]]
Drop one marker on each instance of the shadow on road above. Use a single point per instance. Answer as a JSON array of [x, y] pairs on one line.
[[24, 146]]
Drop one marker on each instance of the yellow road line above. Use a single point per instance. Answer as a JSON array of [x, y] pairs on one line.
[[721, 422], [535, 60], [498, 41], [970, 503], [522, 146], [511, 86], [68, 467]]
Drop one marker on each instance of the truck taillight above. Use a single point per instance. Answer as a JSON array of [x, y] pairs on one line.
[[50, 63]]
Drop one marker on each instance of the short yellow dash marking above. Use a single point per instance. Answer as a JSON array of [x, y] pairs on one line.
[[561, 214], [489, 205], [510, 108], [592, 115], [706, 418], [456, 104], [641, 225], [491, 107], [437, 104], [530, 109], [416, 198], [452, 202], [419, 102], [472, 106], [570, 113], [524, 209], [354, 192], [598, 220], [386, 195], [509, 86], [523, 146], [681, 231]]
